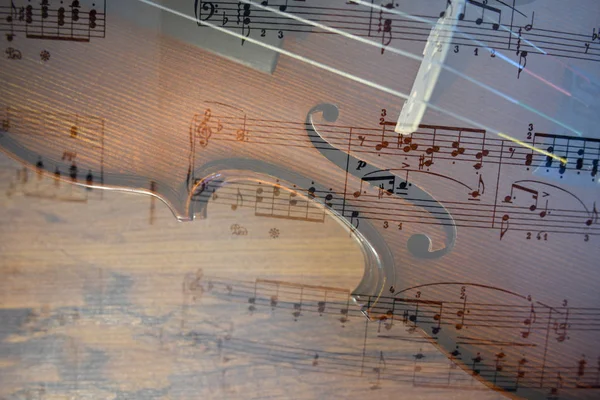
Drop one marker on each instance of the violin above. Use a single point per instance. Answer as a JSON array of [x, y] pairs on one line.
[[479, 227]]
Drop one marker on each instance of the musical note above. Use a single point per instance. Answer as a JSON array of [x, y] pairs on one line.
[[483, 153], [534, 195], [241, 134], [355, 215], [522, 63], [545, 211], [462, 312], [245, 20], [421, 161], [581, 368], [414, 318], [485, 7], [259, 197], [74, 14], [448, 10], [593, 217], [433, 148], [239, 200], [285, 6], [344, 312], [61, 17], [529, 321], [389, 316], [561, 328], [387, 179], [417, 368], [407, 140], [384, 143], [10, 19], [402, 188], [298, 306], [476, 360], [386, 29], [379, 369], [520, 372], [456, 145], [549, 159], [252, 302], [92, 17], [438, 318], [29, 14], [274, 299], [579, 162], [480, 189], [44, 5]]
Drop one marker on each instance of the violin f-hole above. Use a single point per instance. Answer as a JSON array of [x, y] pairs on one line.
[[419, 245]]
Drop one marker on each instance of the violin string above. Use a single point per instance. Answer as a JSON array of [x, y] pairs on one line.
[[349, 76], [472, 39], [420, 58]]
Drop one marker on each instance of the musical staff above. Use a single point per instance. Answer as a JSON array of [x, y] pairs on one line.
[[78, 21], [80, 156], [481, 25], [545, 207], [510, 365]]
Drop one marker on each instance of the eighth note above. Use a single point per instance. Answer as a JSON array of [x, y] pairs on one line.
[[239, 200]]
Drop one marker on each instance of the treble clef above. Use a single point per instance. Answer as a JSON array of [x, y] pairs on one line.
[[380, 264]]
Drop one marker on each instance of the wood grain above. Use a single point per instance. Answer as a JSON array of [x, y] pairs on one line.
[[91, 304]]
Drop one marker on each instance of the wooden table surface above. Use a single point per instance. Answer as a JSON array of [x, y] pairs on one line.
[[96, 303]]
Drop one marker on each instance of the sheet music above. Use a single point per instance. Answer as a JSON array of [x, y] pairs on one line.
[[158, 98]]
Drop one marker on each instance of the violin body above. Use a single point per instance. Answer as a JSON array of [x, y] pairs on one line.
[[486, 246]]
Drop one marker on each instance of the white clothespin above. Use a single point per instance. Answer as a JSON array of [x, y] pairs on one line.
[[434, 55]]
